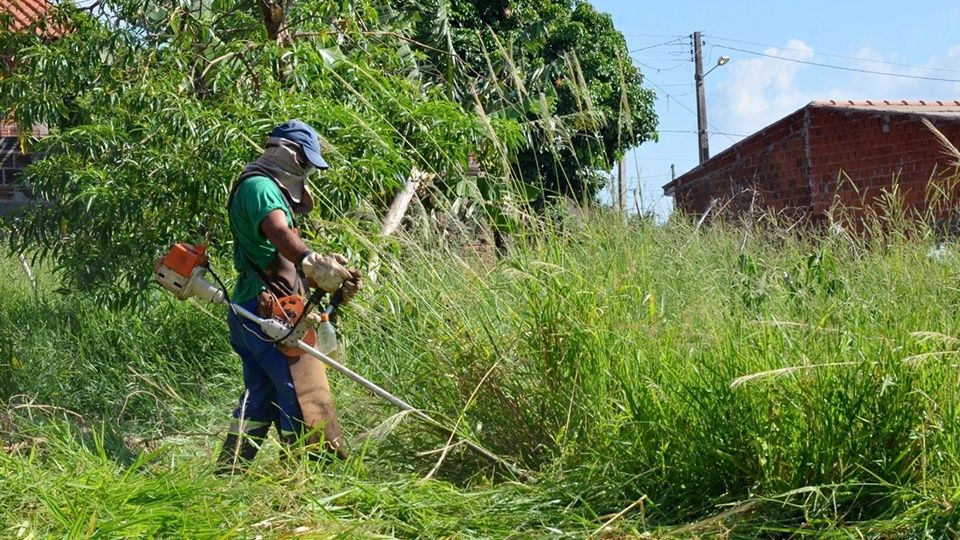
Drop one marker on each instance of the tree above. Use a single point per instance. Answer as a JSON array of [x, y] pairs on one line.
[[154, 105], [559, 66]]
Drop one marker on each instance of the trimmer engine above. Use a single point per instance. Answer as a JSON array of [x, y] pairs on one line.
[[182, 271]]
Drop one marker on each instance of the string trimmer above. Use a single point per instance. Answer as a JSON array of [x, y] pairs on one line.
[[183, 272]]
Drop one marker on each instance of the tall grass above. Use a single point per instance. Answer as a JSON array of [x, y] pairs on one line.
[[674, 379], [74, 353], [690, 368]]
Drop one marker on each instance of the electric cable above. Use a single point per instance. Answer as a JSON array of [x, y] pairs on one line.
[[831, 55], [670, 96], [226, 295], [677, 36], [679, 64], [709, 131], [842, 68], [672, 41], [223, 287]]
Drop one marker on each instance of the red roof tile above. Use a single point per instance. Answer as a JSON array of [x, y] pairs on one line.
[[925, 107], [27, 12]]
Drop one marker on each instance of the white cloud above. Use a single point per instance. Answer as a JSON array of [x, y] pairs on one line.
[[760, 90], [921, 86], [756, 90]]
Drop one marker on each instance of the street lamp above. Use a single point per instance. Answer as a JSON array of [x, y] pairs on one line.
[[720, 62], [703, 142]]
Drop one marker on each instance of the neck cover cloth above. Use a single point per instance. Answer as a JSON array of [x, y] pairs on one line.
[[279, 162]]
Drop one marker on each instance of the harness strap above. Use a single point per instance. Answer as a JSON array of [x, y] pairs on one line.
[[277, 288]]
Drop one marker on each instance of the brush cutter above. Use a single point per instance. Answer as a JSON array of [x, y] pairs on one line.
[[183, 272]]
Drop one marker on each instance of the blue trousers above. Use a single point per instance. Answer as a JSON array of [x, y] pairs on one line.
[[269, 395]]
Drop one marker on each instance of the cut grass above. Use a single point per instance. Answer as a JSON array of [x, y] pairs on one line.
[[73, 484]]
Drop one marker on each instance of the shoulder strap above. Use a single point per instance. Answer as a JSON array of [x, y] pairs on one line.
[[236, 185], [248, 175], [277, 288]]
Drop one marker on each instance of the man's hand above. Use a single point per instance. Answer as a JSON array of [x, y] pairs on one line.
[[351, 287], [327, 271]]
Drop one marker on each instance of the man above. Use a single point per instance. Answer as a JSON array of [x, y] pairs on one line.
[[289, 392]]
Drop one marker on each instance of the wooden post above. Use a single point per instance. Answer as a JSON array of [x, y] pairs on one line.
[[402, 200], [703, 141], [622, 186], [398, 208]]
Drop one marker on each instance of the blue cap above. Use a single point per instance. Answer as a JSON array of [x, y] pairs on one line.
[[301, 133]]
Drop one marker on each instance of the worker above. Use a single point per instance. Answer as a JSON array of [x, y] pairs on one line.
[[273, 261]]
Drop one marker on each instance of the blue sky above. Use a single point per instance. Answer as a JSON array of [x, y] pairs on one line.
[[918, 39]]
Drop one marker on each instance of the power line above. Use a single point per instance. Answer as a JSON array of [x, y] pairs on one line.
[[677, 36], [680, 64], [694, 131], [831, 55], [670, 96], [842, 68], [670, 63], [671, 42]]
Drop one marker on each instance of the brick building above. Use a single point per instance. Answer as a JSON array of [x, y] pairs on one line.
[[19, 15], [794, 165], [12, 161]]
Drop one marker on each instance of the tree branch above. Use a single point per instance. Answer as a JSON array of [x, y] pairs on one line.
[[274, 18], [402, 201]]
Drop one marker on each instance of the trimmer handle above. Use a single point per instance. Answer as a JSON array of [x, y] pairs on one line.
[[338, 298], [335, 302]]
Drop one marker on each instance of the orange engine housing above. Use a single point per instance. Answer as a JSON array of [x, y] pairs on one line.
[[289, 309], [183, 258]]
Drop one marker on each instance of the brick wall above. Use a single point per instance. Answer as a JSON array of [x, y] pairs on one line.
[[871, 150], [794, 166], [12, 193], [767, 170]]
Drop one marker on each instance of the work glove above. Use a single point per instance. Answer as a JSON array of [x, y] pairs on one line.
[[351, 286], [326, 271]]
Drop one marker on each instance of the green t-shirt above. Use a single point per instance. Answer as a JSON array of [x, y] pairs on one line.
[[256, 197]]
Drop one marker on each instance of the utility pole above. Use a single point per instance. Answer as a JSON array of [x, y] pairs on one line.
[[702, 140], [622, 186]]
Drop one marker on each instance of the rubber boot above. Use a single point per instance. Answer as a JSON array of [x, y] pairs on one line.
[[239, 449]]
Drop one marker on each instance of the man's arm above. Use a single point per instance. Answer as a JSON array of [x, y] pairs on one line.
[[285, 239], [326, 272]]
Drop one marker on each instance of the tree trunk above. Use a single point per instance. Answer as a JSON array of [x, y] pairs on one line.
[[275, 19], [402, 200]]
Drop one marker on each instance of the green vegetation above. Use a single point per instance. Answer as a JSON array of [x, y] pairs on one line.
[[559, 66], [664, 380], [155, 102], [672, 380], [155, 106]]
